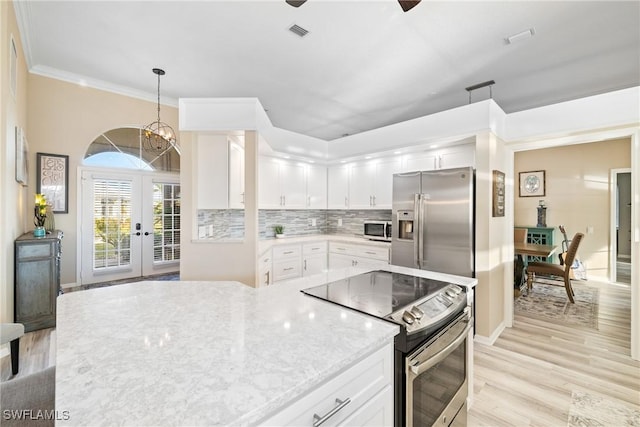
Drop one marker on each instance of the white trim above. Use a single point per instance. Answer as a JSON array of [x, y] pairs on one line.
[[613, 183], [4, 350], [481, 339]]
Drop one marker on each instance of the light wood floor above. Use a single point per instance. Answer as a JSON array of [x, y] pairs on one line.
[[525, 379]]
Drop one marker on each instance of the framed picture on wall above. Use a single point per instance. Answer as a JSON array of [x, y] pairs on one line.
[[498, 193], [532, 184], [53, 180]]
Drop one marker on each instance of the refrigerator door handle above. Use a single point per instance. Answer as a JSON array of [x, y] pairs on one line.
[[417, 240], [421, 230]]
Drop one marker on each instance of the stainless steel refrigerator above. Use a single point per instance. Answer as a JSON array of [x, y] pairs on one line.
[[433, 221]]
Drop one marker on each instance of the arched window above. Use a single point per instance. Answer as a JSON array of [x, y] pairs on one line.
[[122, 148]]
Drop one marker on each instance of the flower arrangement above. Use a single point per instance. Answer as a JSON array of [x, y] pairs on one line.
[[40, 210]]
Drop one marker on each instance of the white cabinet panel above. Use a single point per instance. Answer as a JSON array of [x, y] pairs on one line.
[[293, 185], [317, 187], [338, 187], [420, 162], [457, 157], [269, 196], [314, 264], [445, 158], [376, 412], [343, 255], [212, 166], [371, 184], [236, 176]]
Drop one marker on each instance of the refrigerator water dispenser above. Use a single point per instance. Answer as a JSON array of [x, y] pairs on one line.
[[405, 225]]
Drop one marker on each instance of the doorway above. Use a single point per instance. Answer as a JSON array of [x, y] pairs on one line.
[[130, 225], [621, 225]]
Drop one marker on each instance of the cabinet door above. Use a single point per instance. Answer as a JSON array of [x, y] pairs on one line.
[[457, 157], [293, 185], [317, 187], [236, 176], [361, 185], [338, 187], [383, 184], [377, 411], [424, 161], [268, 184], [340, 261], [314, 264], [212, 167]]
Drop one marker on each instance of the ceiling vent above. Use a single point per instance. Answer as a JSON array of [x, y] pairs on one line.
[[298, 30], [520, 36]]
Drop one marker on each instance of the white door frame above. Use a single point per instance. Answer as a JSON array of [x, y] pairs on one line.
[[144, 177], [613, 183]]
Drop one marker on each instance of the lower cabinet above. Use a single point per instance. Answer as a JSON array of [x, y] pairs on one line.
[[314, 258], [37, 280], [287, 262], [363, 393], [265, 270], [343, 255]]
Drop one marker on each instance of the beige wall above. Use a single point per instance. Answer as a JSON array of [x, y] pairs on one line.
[[65, 118], [13, 112], [577, 194]]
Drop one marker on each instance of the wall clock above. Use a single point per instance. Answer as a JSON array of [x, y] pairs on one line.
[[532, 184]]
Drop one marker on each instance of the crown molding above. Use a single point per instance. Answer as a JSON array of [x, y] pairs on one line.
[[23, 17]]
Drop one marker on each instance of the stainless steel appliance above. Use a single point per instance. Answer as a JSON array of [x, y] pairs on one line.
[[430, 362], [377, 230], [433, 221]]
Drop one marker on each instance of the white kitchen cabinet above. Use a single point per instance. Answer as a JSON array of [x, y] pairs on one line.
[[363, 392], [287, 262], [445, 158], [236, 176], [314, 258], [265, 270], [282, 184], [212, 167], [316, 187], [338, 187], [371, 184], [343, 255]]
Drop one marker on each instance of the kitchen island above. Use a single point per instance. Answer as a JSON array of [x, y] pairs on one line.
[[205, 353]]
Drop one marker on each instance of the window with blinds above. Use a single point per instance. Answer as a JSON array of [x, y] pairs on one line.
[[166, 222], [111, 223]]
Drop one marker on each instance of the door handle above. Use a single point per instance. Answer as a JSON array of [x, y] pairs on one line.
[[146, 233]]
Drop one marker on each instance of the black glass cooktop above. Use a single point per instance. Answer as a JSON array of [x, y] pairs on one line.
[[378, 293]]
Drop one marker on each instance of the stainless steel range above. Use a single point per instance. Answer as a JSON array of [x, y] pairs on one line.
[[430, 350]]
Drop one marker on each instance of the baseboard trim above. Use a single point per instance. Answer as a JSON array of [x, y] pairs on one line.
[[481, 339]]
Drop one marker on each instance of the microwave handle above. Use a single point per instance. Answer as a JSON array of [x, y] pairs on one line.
[[387, 231]]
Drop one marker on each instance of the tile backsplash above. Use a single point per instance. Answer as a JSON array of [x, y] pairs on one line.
[[229, 223]]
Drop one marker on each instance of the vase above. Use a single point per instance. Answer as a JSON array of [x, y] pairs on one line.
[[542, 217], [39, 231], [279, 236]]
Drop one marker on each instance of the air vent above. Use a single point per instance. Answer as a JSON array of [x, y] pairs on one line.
[[298, 30]]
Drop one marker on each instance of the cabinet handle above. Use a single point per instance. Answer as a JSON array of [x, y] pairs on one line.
[[284, 200], [288, 268], [370, 253], [308, 201], [341, 249], [346, 201], [370, 200], [268, 276], [287, 252], [374, 200], [315, 249], [305, 265], [242, 201], [318, 420], [440, 162]]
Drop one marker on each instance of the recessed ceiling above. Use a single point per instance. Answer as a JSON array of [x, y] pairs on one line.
[[363, 64]]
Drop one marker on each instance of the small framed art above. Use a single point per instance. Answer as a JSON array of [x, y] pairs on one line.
[[532, 184]]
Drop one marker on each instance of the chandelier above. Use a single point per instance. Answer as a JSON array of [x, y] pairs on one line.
[[158, 136]]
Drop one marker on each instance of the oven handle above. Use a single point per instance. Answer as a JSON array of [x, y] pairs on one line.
[[442, 354]]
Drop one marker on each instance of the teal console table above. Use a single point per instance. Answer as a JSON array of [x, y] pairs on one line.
[[539, 236]]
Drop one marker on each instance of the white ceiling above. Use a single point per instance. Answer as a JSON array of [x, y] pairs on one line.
[[363, 65]]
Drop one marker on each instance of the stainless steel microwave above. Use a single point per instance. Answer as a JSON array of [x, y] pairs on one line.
[[378, 230]]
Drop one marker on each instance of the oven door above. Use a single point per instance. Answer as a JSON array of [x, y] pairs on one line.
[[437, 378]]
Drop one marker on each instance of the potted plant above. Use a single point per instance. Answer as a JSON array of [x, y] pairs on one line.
[[279, 230]]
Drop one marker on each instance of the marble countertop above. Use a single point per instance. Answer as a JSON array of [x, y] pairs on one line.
[[201, 353]]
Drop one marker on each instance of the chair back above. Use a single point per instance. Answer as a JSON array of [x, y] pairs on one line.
[[571, 252], [520, 235]]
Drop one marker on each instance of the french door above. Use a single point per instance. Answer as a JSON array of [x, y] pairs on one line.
[[130, 225]]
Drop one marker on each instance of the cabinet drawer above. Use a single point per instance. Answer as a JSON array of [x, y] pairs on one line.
[[287, 269], [289, 251], [342, 248], [361, 383], [314, 248], [374, 252], [42, 250]]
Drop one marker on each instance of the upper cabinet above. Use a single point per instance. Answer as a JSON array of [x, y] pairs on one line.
[[338, 187], [316, 187], [371, 183], [446, 158], [282, 184], [219, 172]]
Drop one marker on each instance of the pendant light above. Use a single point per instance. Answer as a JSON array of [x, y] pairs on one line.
[[158, 136]]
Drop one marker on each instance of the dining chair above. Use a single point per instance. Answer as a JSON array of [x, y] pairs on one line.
[[520, 235], [563, 271]]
